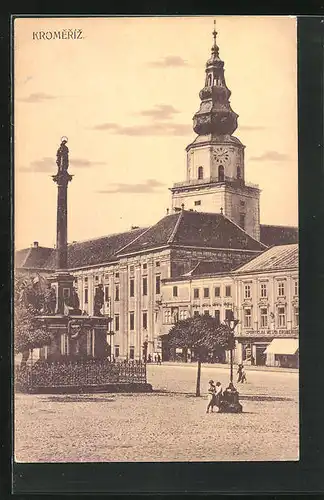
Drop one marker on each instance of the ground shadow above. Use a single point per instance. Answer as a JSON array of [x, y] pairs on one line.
[[78, 399], [247, 397], [261, 397]]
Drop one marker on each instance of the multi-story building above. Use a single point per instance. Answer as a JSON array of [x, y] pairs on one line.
[[214, 222], [263, 294]]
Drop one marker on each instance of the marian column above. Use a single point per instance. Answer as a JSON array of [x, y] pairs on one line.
[[62, 178]]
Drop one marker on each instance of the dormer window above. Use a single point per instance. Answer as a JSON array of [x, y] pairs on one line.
[[200, 173]]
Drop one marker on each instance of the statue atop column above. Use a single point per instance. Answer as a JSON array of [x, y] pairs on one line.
[[62, 156]]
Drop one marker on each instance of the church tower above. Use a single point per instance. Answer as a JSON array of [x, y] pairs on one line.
[[215, 159]]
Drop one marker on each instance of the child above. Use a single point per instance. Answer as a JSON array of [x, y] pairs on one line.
[[211, 396]]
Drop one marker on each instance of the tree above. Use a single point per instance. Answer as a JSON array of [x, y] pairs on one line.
[[29, 333], [203, 334]]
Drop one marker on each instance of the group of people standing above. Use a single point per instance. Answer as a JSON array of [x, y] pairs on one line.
[[215, 391]]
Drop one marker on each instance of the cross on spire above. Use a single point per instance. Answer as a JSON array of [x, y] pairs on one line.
[[214, 33]]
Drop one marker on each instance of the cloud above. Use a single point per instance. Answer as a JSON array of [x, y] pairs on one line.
[[160, 112], [270, 156], [38, 97], [148, 187], [168, 61], [48, 165], [154, 129]]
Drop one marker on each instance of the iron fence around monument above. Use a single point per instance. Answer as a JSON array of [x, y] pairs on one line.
[[78, 374]]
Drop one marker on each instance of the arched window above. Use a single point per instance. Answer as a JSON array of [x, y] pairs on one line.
[[221, 174], [200, 173], [238, 173], [209, 80]]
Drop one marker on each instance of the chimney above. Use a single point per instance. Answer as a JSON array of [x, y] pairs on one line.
[[167, 211], [35, 244], [134, 227]]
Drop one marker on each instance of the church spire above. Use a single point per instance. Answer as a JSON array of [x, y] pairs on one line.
[[215, 115]]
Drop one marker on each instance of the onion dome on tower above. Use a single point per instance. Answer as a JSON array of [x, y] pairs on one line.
[[215, 115]]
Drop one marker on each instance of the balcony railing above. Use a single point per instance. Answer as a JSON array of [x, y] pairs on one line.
[[208, 180]]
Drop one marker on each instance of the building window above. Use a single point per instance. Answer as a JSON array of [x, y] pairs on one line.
[[281, 317], [296, 288], [106, 276], [196, 313], [229, 314], [238, 174], [183, 314], [131, 287], [228, 291], [117, 275], [144, 286], [117, 323], [97, 278], [247, 291], [158, 284], [242, 221], [131, 320], [217, 316], [157, 263], [206, 313], [131, 352], [264, 317], [145, 320], [281, 288], [197, 202], [217, 291], [175, 291], [221, 173], [167, 317], [200, 173], [206, 293], [263, 290], [86, 296], [247, 318], [131, 269], [117, 293], [196, 293], [86, 280], [296, 316], [116, 351], [145, 266], [106, 293]]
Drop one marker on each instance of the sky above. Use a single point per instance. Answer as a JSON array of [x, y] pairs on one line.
[[124, 94]]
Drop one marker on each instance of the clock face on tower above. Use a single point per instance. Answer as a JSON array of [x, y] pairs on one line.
[[221, 155]]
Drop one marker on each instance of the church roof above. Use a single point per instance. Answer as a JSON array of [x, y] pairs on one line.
[[278, 235], [278, 257], [209, 267], [194, 229], [35, 257], [181, 229]]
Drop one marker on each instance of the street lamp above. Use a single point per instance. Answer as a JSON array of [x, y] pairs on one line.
[[231, 323], [230, 402]]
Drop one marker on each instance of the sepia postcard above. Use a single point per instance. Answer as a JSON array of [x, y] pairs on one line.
[[156, 286]]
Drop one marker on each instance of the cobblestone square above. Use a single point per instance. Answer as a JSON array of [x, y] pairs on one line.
[[169, 424]]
